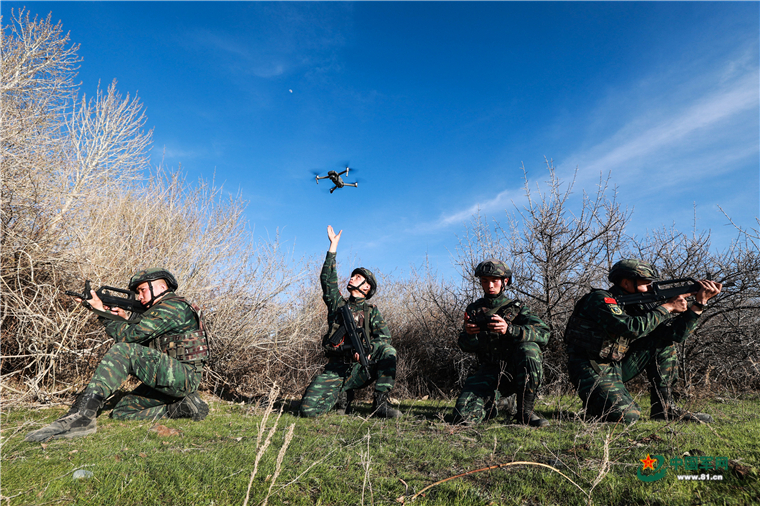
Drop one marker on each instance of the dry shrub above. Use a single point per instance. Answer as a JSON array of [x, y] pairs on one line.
[[424, 319], [558, 250], [723, 354], [79, 201]]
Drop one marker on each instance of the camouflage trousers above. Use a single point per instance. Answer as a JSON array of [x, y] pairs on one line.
[[601, 385], [164, 380], [521, 373], [323, 392]]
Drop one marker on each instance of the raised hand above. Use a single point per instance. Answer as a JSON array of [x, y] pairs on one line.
[[334, 238]]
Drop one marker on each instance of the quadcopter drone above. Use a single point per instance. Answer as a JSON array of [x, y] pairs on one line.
[[336, 179]]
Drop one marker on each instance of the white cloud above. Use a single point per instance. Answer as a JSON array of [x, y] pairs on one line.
[[500, 202], [268, 70], [181, 154], [711, 128], [659, 132]]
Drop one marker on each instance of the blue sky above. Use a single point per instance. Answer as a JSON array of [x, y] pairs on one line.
[[438, 105]]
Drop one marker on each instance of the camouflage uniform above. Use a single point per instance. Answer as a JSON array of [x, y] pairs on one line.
[[342, 374], [608, 346], [508, 364], [165, 380], [165, 348]]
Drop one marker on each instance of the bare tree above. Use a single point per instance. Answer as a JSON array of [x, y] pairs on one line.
[[555, 254], [724, 352]]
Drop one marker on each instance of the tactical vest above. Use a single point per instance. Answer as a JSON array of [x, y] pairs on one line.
[[588, 335], [334, 341], [189, 347], [491, 346]]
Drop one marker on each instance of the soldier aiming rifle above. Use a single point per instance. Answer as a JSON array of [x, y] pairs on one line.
[[608, 345], [165, 348]]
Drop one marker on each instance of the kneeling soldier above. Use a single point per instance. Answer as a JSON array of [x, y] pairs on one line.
[[608, 345], [165, 349], [507, 338], [343, 373]]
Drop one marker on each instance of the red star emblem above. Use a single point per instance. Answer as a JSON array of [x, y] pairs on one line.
[[648, 463]]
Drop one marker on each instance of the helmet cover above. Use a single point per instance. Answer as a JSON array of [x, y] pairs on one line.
[[494, 267], [152, 274], [632, 268], [369, 277]]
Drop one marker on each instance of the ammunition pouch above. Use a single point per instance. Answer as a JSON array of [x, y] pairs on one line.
[[586, 334], [189, 348]]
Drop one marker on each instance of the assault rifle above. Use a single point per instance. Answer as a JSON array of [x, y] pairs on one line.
[[662, 291], [126, 301], [359, 342]]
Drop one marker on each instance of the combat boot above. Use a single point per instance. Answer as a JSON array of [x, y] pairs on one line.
[[525, 414], [663, 408], [78, 424], [190, 406], [343, 406], [508, 404], [382, 407]]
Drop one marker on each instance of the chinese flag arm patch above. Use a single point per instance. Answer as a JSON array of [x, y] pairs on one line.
[[609, 300]]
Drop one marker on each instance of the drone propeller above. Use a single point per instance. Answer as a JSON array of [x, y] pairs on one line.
[[315, 173]]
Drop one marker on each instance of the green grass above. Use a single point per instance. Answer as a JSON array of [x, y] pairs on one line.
[[358, 460]]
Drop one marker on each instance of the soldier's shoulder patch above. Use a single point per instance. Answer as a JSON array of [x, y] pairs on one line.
[[612, 304]]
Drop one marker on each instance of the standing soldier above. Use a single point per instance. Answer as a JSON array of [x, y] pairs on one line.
[[607, 345], [343, 373], [165, 349], [507, 338]]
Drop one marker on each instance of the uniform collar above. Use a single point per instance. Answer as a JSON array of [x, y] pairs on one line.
[[616, 290], [499, 300], [357, 301]]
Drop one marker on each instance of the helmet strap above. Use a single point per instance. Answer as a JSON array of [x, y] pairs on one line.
[[152, 294], [357, 288]]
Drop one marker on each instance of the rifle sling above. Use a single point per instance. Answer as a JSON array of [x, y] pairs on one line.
[[341, 332]]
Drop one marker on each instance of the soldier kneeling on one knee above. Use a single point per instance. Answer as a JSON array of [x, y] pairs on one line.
[[608, 345], [165, 348], [507, 338], [344, 373]]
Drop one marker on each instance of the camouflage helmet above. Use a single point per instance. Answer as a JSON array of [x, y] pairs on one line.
[[632, 268], [495, 268], [370, 279], [152, 274]]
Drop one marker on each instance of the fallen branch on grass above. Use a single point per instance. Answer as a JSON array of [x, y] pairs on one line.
[[497, 466]]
